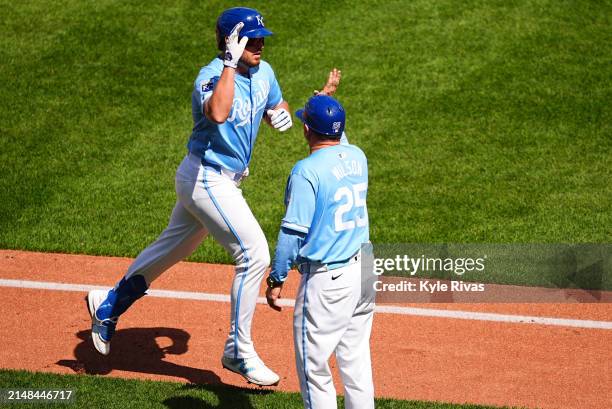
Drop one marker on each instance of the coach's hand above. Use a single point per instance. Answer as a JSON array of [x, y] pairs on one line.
[[280, 119], [331, 86], [233, 47], [273, 295]]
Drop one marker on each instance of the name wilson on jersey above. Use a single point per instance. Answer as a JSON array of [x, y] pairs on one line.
[[348, 168]]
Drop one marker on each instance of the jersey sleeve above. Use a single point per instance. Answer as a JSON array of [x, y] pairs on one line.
[[275, 96], [300, 199], [204, 86], [287, 248]]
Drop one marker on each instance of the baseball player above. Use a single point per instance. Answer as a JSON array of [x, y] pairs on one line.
[[231, 95], [325, 224]]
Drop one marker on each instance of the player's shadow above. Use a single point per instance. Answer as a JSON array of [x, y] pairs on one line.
[[135, 350], [229, 397]]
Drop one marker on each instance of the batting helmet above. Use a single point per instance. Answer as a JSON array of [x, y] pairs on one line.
[[324, 115], [252, 19]]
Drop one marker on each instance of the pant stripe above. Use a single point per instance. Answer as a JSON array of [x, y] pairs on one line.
[[304, 331], [246, 258]]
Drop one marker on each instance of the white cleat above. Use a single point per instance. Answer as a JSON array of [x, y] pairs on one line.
[[101, 331], [251, 369]]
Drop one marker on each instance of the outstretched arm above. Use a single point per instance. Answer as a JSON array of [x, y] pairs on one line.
[[333, 80], [330, 88]]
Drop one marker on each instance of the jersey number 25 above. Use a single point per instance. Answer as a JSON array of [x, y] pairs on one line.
[[354, 199]]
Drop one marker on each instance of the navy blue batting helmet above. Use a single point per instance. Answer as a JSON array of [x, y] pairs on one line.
[[324, 115], [252, 19]]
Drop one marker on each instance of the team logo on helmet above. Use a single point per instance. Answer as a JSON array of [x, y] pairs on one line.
[[336, 126], [260, 20]]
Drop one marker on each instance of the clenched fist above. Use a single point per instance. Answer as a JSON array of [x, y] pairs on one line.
[[280, 119]]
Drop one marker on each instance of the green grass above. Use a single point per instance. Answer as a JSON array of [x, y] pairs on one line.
[[95, 392], [483, 121]]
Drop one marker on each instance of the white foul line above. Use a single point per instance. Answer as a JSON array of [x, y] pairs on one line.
[[381, 309]]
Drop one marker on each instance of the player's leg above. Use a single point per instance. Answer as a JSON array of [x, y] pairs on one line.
[[180, 238], [322, 312], [353, 357], [219, 204], [183, 234]]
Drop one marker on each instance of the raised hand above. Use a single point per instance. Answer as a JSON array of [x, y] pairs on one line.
[[333, 80], [233, 47]]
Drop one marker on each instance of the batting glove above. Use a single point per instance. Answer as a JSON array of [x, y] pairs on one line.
[[233, 47], [280, 119]]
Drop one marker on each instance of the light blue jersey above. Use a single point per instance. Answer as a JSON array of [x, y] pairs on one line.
[[326, 200], [231, 143]]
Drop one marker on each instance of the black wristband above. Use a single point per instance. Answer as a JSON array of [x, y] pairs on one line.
[[272, 283]]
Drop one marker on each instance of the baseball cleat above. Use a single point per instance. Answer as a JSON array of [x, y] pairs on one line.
[[101, 331], [251, 369]]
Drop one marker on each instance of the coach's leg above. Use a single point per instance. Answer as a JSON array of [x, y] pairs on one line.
[[354, 363], [353, 355], [322, 312]]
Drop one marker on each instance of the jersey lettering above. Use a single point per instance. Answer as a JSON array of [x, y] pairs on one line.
[[354, 199], [348, 168], [241, 107]]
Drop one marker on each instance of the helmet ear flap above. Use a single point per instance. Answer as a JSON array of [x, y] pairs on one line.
[[220, 40]]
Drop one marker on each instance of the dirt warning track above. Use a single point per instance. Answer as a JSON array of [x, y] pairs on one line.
[[177, 334]]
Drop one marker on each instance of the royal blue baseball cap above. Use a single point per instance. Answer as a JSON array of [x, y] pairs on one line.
[[324, 115], [253, 22]]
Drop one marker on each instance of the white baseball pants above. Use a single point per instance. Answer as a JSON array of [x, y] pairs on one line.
[[331, 316], [209, 202]]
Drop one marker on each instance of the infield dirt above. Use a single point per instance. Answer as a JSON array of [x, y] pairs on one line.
[[414, 357]]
